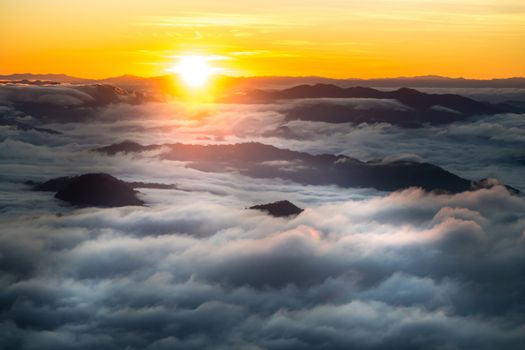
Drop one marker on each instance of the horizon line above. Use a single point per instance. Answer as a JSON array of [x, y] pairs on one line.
[[429, 76]]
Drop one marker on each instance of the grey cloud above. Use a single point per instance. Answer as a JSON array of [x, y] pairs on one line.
[[309, 282]]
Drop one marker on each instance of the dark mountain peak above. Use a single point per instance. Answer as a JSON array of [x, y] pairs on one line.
[[279, 209], [98, 189], [126, 146], [409, 91], [59, 183]]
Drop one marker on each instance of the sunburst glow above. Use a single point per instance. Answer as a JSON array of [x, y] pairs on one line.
[[195, 71]]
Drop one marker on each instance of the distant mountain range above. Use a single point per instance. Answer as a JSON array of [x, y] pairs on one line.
[[282, 82]]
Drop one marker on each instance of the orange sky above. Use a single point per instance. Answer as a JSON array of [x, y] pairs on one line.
[[334, 38]]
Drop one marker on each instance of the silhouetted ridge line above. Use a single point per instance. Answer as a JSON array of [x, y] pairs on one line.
[[266, 161], [409, 97], [59, 183]]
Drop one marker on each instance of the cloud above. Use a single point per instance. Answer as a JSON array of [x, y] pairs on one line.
[[196, 270], [354, 103], [486, 147], [493, 95], [338, 279], [410, 157], [57, 95]]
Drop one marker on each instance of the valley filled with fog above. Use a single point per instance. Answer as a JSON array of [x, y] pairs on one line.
[[194, 268]]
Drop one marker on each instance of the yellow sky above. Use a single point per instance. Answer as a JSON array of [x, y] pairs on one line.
[[334, 38]]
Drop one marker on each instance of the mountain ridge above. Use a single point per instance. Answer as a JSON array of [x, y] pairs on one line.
[[259, 160], [282, 81]]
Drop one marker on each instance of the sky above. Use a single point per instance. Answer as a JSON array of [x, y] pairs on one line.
[[332, 38]]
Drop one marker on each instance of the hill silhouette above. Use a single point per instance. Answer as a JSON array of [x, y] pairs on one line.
[[265, 161]]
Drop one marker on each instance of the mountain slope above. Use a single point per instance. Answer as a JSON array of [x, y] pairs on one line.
[[265, 161]]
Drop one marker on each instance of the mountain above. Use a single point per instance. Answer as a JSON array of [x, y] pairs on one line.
[[58, 78], [265, 161], [428, 81], [53, 185], [65, 103], [409, 97], [417, 108], [98, 190], [276, 82], [59, 183], [126, 146], [279, 209], [326, 103], [16, 125]]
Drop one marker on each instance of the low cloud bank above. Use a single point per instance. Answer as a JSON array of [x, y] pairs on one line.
[[413, 269], [195, 269]]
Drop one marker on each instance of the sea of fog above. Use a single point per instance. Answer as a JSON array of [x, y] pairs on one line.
[[193, 269]]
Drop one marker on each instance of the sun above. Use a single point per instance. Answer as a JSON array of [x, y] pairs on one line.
[[195, 71]]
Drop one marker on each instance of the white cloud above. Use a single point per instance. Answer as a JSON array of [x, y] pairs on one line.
[[195, 269]]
